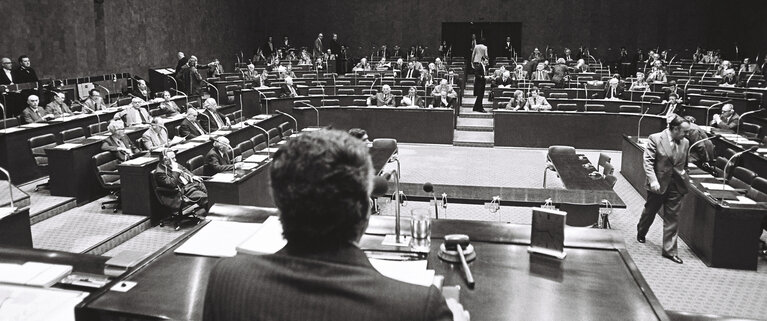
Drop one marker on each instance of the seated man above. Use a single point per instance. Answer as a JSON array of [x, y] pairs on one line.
[[536, 101], [727, 120], [172, 175], [559, 73], [505, 81], [168, 106], [612, 90], [141, 90], [219, 158], [399, 67], [700, 154], [722, 69], [190, 127], [363, 65], [156, 136], [411, 99], [581, 66], [57, 107], [442, 100], [288, 89], [251, 73], [518, 101], [425, 79], [411, 72], [729, 79], [441, 66], [383, 65], [360, 134], [118, 143], [34, 113], [640, 84], [453, 80], [520, 73], [673, 108], [672, 88], [94, 102], [384, 98], [540, 73], [214, 119], [263, 81], [443, 86], [657, 75], [321, 183], [135, 114]]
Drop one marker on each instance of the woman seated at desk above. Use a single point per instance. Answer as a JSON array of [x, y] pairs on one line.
[[186, 186]]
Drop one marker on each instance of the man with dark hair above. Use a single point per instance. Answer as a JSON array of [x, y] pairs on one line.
[[321, 183], [24, 72], [480, 80], [673, 107], [665, 164], [359, 133], [94, 102]]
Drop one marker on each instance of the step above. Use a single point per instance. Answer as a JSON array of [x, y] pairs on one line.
[[473, 138], [44, 205], [469, 102], [475, 124], [87, 229], [468, 112]]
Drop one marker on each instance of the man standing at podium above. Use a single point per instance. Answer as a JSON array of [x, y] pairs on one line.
[[665, 164]]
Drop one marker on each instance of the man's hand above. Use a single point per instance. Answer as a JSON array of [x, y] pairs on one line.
[[459, 314], [655, 187]]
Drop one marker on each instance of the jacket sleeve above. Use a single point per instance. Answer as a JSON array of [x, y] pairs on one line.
[[649, 160], [435, 307], [106, 146], [215, 163]]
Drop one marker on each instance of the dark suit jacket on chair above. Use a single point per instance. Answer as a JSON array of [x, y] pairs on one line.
[[326, 285], [216, 163]]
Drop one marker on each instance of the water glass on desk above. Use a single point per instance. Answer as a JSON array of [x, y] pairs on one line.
[[420, 229]]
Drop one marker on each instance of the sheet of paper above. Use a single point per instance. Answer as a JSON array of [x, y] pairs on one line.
[[11, 130], [218, 239], [43, 304], [139, 161], [226, 177], [33, 125], [256, 158], [267, 240], [67, 146], [701, 176], [717, 187], [743, 201], [413, 272]]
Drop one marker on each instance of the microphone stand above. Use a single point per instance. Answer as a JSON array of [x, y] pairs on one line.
[[231, 150], [5, 120], [10, 186], [740, 119], [317, 111], [268, 154], [700, 141], [98, 119], [186, 98], [207, 117], [639, 123], [108, 93], [218, 95], [289, 116]]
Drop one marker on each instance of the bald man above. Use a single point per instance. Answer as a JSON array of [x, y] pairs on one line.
[[190, 127], [34, 113], [613, 90], [6, 77], [728, 119], [135, 114], [219, 158]]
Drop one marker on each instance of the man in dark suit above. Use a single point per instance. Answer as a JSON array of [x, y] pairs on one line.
[[217, 119], [118, 143], [673, 107], [613, 90], [24, 72], [508, 48], [268, 48], [189, 78], [321, 183], [317, 50], [189, 127], [182, 60], [673, 88], [480, 74], [176, 178], [288, 89], [728, 119], [701, 154], [142, 91], [6, 76], [219, 158], [665, 164]]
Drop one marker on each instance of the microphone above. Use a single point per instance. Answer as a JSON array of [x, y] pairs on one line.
[[266, 102], [5, 127], [429, 188], [380, 187], [218, 95], [737, 132], [749, 79], [98, 119], [289, 116], [712, 106], [724, 172], [374, 83], [639, 123], [10, 185], [317, 111], [207, 117]]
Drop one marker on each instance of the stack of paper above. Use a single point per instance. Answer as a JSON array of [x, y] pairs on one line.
[[33, 273], [742, 200], [267, 240], [413, 272], [218, 238], [138, 161], [33, 304], [256, 158], [717, 187], [226, 177]]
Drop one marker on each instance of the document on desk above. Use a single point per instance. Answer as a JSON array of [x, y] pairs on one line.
[[226, 177], [413, 272], [138, 161], [11, 130], [717, 187], [38, 304], [256, 158], [67, 146], [267, 240], [33, 125], [33, 273], [742, 200], [218, 239]]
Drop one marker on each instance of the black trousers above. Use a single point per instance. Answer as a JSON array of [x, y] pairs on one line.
[[671, 201]]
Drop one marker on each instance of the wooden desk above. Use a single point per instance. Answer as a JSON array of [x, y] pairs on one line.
[[250, 189], [511, 284], [15, 229], [722, 235], [582, 130]]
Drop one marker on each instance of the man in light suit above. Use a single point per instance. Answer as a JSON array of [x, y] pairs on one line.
[[665, 164], [34, 113], [321, 183], [479, 53], [728, 119], [118, 143], [382, 99], [288, 89], [135, 114]]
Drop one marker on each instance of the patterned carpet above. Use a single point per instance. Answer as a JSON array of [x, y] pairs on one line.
[[690, 287]]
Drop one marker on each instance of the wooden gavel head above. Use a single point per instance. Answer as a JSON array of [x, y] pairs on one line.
[[452, 241]]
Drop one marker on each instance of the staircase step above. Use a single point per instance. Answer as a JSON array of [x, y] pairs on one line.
[[469, 102], [475, 124], [468, 112], [43, 204], [473, 138]]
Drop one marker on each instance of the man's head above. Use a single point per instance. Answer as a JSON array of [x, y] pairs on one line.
[[561, 61], [192, 61], [536, 51], [117, 128], [438, 61], [443, 93], [33, 100], [335, 36], [156, 124], [168, 157], [506, 75], [727, 110], [251, 67], [359, 133], [221, 144], [399, 61], [411, 91], [166, 95], [672, 98], [508, 39], [321, 183], [94, 95], [567, 51], [7, 63], [386, 89], [640, 76], [191, 113], [678, 127], [613, 82], [410, 65], [141, 84], [450, 73], [319, 36], [24, 61], [540, 67], [136, 102], [443, 82], [180, 55], [59, 97], [289, 81], [432, 66], [534, 92], [210, 104]]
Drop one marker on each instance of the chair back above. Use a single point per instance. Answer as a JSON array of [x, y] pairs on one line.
[[607, 169], [581, 215], [330, 102], [630, 109], [285, 130], [594, 107], [611, 179], [567, 107], [259, 142], [346, 91], [555, 95], [37, 146], [274, 136], [603, 159], [360, 102], [560, 149], [246, 148], [758, 190], [752, 130], [742, 177], [72, 134], [105, 164], [196, 165], [97, 128]]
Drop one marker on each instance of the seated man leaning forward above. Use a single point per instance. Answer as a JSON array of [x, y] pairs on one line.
[[321, 183]]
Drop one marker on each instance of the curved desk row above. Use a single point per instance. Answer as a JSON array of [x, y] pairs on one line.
[[582, 130]]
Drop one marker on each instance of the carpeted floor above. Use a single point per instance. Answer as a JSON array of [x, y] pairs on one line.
[[690, 287]]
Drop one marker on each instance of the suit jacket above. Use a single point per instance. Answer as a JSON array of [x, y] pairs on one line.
[[540, 75], [216, 163], [703, 152], [559, 71], [317, 50], [618, 92], [30, 116], [414, 74], [537, 101], [213, 125], [21, 75], [56, 110], [478, 52], [189, 80], [457, 82], [730, 123], [344, 286], [409, 102], [668, 91], [663, 165], [4, 80], [93, 106], [135, 116], [450, 92], [146, 97], [501, 82], [187, 129], [285, 91], [111, 144], [383, 100], [678, 109]]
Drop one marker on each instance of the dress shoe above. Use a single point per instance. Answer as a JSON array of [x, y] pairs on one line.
[[674, 258], [640, 239]]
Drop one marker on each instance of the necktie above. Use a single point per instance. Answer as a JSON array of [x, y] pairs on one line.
[[292, 91], [219, 122], [410, 73], [119, 143], [451, 81], [612, 93], [197, 126]]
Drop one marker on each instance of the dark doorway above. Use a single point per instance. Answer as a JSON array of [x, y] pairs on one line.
[[458, 34]]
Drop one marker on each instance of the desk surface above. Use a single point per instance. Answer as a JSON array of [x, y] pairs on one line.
[[570, 169], [597, 279]]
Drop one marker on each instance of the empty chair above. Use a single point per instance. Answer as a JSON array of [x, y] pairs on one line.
[[274, 136], [580, 215], [234, 116], [741, 177], [330, 102], [607, 169], [360, 102], [285, 130], [37, 146], [554, 150], [407, 82], [751, 130], [259, 142], [603, 159], [196, 165], [246, 148], [72, 134], [108, 177], [758, 190], [558, 95], [651, 98], [343, 82], [594, 107], [346, 91], [301, 103], [611, 179], [719, 165], [97, 128], [707, 102], [630, 109], [728, 152], [567, 107], [316, 92]]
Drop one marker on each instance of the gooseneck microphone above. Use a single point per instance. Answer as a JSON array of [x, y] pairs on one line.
[[724, 171], [429, 188]]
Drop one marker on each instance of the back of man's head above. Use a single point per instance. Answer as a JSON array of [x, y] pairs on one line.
[[321, 183]]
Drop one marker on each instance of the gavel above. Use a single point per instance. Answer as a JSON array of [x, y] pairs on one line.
[[457, 248]]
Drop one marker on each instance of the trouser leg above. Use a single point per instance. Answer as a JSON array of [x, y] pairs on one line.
[[651, 207], [671, 205]]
